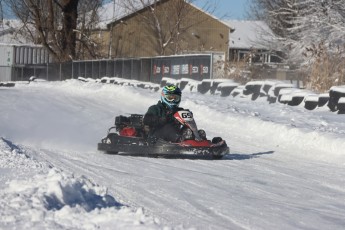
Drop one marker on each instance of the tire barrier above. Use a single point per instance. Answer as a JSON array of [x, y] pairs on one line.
[[281, 92], [225, 89], [7, 84], [335, 93], [204, 86], [341, 105], [238, 91], [311, 102], [323, 99], [253, 88]]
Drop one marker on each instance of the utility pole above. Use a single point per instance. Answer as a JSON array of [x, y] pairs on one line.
[[111, 31], [1, 16]]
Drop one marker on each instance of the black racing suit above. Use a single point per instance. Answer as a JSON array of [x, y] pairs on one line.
[[161, 122]]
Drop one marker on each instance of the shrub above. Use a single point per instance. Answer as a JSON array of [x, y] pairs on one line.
[[327, 67]]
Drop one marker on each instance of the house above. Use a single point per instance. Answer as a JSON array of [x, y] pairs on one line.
[[253, 40], [183, 29]]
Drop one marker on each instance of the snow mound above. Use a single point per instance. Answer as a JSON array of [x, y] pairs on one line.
[[12, 157], [54, 199]]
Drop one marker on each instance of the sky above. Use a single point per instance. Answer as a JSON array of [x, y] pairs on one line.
[[229, 9], [232, 9], [285, 168]]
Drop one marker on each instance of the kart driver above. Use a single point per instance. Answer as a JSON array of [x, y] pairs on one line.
[[159, 120]]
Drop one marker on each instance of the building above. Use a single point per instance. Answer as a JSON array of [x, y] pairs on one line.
[[183, 29], [161, 29], [20, 62], [252, 41]]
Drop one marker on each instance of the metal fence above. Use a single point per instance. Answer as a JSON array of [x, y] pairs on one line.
[[197, 67]]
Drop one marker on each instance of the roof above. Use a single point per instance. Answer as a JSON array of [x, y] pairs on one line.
[[8, 35], [250, 34], [116, 10], [8, 26]]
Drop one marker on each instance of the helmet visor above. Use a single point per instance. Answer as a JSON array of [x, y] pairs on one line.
[[172, 97]]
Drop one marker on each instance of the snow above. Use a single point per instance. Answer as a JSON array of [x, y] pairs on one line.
[[255, 83], [207, 80], [286, 97], [189, 81], [312, 98], [238, 90], [324, 95], [283, 87], [228, 84], [302, 93], [107, 13], [169, 80], [110, 12], [39, 196], [340, 89], [288, 93], [223, 80], [285, 170]]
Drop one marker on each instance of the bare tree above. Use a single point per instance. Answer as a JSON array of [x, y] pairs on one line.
[[280, 15], [313, 35], [1, 14], [57, 24], [303, 23], [88, 19]]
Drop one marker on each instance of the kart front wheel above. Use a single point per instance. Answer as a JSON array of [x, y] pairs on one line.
[[109, 140]]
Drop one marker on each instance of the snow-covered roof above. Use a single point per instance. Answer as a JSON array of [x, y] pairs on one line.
[[250, 34], [7, 27], [8, 32], [112, 11], [118, 9]]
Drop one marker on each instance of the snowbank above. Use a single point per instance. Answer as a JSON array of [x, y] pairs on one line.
[[52, 199]]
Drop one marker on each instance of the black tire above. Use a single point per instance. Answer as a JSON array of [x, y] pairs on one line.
[[310, 105], [217, 157], [332, 106], [255, 96], [111, 153], [111, 137], [216, 140]]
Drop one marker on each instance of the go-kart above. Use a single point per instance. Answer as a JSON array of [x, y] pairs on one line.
[[129, 136]]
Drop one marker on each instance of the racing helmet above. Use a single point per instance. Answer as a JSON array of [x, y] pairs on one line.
[[171, 96]]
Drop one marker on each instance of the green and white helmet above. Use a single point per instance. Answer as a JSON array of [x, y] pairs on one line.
[[171, 96]]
